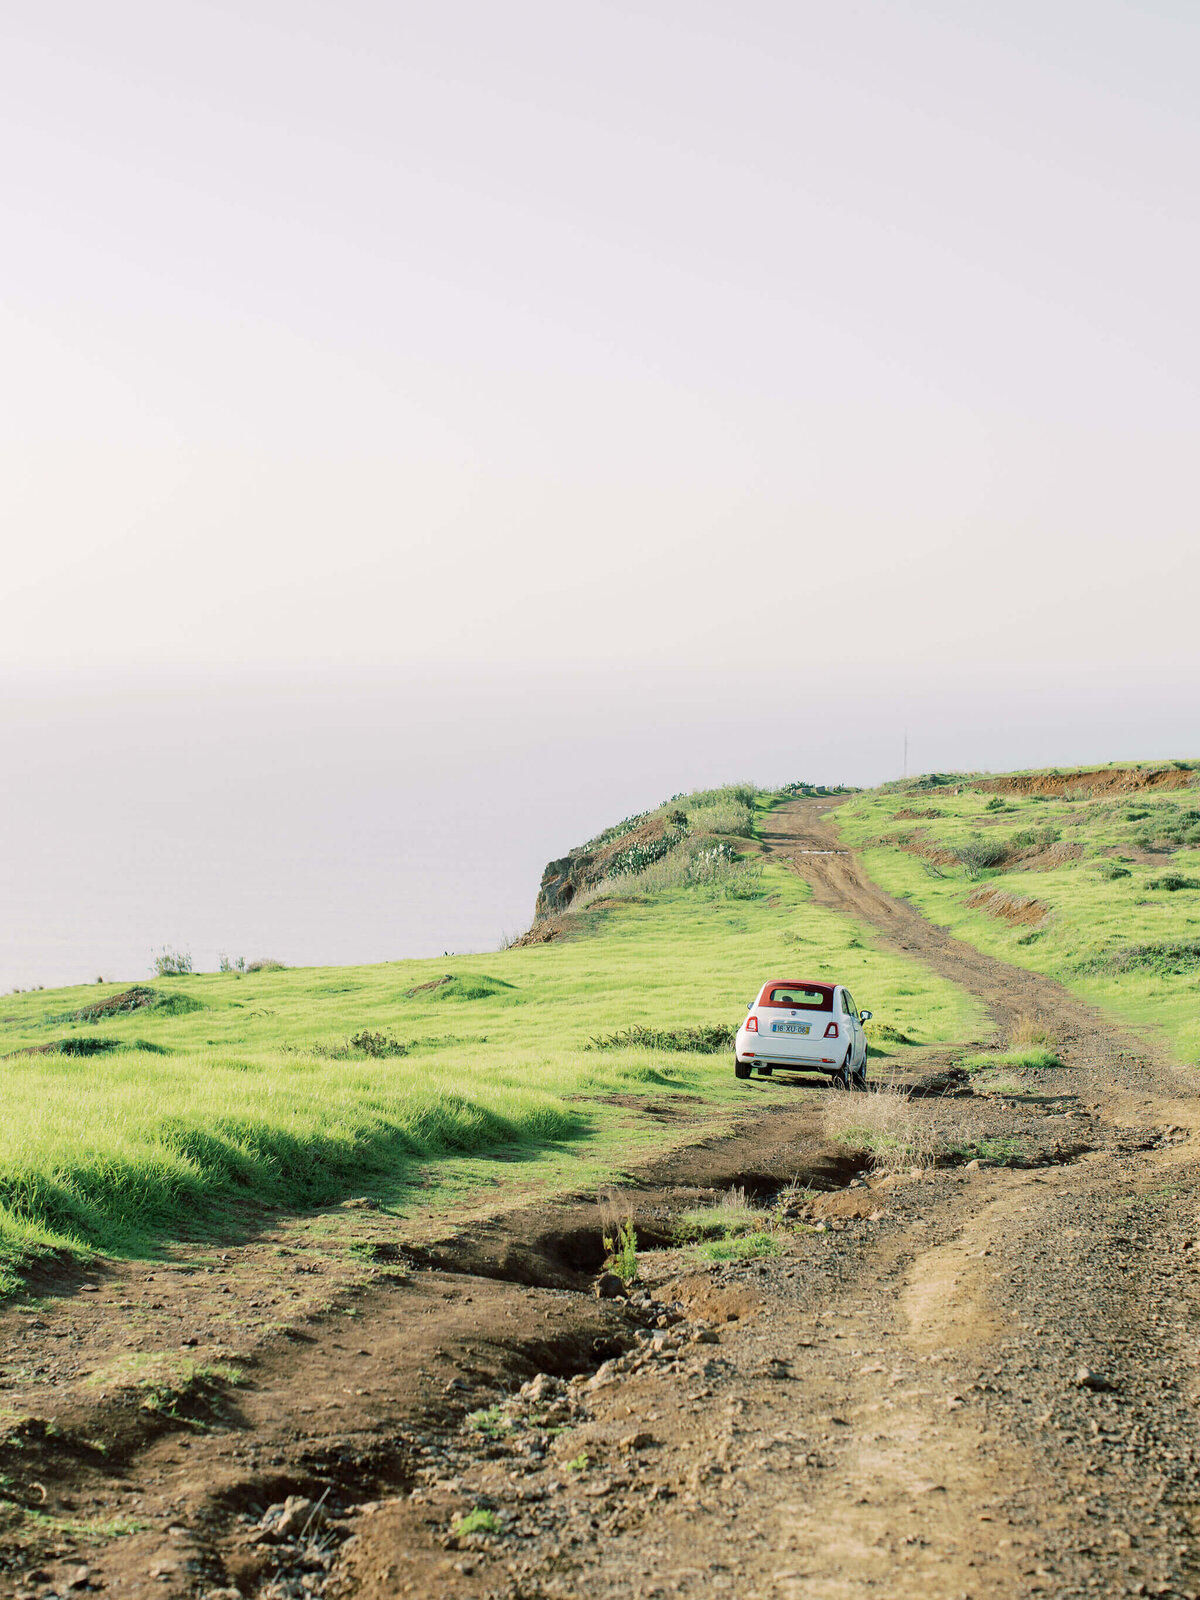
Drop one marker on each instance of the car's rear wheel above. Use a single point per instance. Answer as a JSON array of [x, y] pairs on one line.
[[741, 1069], [841, 1079], [860, 1077]]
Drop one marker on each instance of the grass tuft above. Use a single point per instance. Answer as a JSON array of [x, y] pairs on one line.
[[742, 1247], [1030, 1056], [726, 1218], [894, 1133], [478, 1520]]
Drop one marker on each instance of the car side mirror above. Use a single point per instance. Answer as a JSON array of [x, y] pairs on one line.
[[749, 1005], [865, 1016]]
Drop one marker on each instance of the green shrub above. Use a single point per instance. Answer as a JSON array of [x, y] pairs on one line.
[[172, 963], [1172, 881], [622, 1251], [377, 1045], [724, 811], [706, 1037], [640, 856], [977, 856], [1167, 957], [1111, 870]]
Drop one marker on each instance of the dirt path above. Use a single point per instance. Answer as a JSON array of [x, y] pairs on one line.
[[802, 832], [889, 1408]]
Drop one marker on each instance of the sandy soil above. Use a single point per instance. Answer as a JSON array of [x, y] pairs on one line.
[[971, 1381]]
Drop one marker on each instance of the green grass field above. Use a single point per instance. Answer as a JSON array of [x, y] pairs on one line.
[[291, 1089], [1113, 883]]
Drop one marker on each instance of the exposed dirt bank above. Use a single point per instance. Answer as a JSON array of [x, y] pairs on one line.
[[1092, 781]]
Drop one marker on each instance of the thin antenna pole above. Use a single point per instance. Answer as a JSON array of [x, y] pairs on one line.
[[905, 772]]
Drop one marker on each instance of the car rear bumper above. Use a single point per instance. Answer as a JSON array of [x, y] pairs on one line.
[[794, 1063]]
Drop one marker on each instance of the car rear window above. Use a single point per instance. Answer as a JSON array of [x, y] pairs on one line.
[[798, 996]]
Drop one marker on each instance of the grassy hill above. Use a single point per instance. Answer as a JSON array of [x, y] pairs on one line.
[[192, 1102], [1091, 876]]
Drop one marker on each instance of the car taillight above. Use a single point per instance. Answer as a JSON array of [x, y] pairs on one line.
[[831, 1032], [751, 1024]]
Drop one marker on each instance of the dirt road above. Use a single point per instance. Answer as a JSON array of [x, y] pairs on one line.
[[975, 1381]]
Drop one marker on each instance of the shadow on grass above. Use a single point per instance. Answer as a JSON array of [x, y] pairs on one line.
[[229, 1182]]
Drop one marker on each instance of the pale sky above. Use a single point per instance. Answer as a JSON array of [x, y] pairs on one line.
[[660, 392]]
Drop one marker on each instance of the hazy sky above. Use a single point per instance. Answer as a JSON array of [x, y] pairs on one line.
[[518, 411]]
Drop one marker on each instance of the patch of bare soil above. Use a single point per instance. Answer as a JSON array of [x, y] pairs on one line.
[[118, 1005], [1095, 781], [1009, 907], [978, 1378]]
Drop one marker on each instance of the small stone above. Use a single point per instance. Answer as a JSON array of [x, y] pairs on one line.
[[295, 1516], [1089, 1378], [706, 1336], [79, 1578], [637, 1441], [609, 1287], [543, 1388], [455, 1386]]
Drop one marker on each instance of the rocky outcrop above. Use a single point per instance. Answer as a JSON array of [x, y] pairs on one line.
[[627, 849]]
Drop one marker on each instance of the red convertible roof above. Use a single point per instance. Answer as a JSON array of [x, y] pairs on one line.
[[803, 995]]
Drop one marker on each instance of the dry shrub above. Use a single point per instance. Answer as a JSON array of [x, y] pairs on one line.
[[884, 1123], [1027, 1031]]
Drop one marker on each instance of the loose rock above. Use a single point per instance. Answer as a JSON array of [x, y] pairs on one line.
[[1089, 1378]]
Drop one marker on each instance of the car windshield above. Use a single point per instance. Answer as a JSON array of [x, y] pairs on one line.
[[802, 996]]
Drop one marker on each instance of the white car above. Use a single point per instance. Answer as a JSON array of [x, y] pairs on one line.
[[804, 1027]]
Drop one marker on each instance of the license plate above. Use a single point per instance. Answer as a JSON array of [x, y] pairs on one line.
[[791, 1027]]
